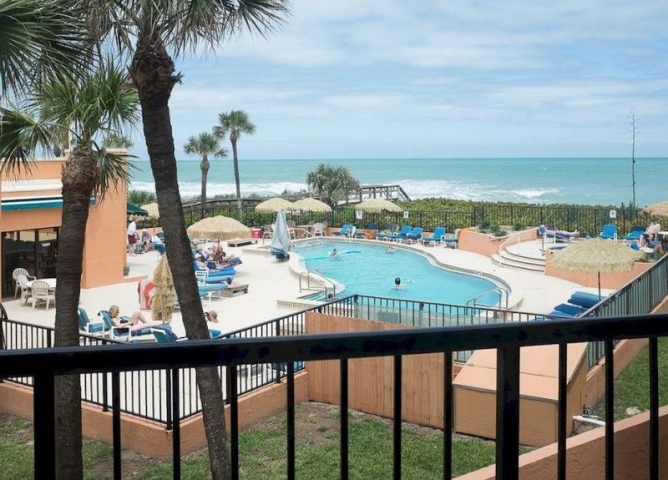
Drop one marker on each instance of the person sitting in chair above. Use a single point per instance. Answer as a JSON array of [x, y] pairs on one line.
[[211, 318], [653, 229], [136, 321]]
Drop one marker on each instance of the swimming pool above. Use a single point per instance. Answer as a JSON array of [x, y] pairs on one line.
[[369, 269]]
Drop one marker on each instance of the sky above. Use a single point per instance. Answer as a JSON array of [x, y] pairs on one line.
[[434, 78]]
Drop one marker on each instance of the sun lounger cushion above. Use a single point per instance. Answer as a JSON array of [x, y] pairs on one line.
[[570, 309], [557, 313], [584, 299]]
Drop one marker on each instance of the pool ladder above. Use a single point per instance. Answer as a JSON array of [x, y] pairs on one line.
[[503, 293], [323, 284]]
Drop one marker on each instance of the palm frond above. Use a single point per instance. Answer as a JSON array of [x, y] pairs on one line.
[[39, 38], [115, 170], [20, 136]]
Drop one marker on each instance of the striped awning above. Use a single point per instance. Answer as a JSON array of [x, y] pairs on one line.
[[31, 203]]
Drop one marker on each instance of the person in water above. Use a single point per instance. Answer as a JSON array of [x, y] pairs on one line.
[[333, 253]]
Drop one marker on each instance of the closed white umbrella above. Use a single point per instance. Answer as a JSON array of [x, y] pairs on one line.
[[376, 205], [311, 205], [219, 227]]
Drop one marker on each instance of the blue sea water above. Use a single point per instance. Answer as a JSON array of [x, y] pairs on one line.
[[593, 181]]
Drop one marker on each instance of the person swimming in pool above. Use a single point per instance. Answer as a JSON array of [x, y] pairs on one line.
[[400, 286], [333, 253]]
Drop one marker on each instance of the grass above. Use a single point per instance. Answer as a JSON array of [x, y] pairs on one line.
[[263, 450], [632, 384]]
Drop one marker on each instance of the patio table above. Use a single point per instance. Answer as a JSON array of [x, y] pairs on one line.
[[49, 281]]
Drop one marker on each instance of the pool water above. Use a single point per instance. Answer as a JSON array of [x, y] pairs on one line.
[[367, 269]]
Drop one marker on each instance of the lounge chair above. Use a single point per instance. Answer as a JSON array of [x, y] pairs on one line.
[[565, 236], [163, 335], [387, 234], [609, 232], [635, 234], [216, 276], [344, 231], [126, 334], [434, 237], [451, 240], [557, 313], [584, 299], [570, 309], [91, 328], [402, 233], [414, 236]]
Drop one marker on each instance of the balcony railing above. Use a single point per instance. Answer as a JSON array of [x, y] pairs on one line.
[[235, 353]]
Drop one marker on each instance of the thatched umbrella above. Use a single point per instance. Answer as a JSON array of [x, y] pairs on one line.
[[162, 305], [273, 205], [311, 205], [219, 227], [597, 255], [152, 210], [658, 209], [376, 205]]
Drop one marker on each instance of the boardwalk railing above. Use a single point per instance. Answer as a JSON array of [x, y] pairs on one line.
[[234, 354]]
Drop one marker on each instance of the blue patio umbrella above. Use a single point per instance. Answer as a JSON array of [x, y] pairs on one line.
[[280, 243]]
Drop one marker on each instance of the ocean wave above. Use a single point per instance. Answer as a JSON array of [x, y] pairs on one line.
[[192, 189], [534, 192]]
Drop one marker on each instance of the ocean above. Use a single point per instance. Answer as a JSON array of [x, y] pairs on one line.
[[592, 181]]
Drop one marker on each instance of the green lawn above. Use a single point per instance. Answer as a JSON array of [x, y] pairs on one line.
[[263, 451], [632, 384]]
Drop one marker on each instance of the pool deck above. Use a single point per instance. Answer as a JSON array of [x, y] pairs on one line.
[[271, 282]]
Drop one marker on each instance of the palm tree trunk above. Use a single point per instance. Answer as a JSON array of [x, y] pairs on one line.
[[80, 176], [236, 177], [204, 166], [152, 71]]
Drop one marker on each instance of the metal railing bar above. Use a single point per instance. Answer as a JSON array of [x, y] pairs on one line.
[[291, 420], [343, 412], [116, 423], [448, 408], [562, 404], [609, 411], [66, 360], [396, 433], [653, 409], [234, 419], [45, 427], [507, 412], [176, 430]]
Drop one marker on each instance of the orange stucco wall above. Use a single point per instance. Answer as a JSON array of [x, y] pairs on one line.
[[475, 242], [104, 249], [150, 438], [585, 457], [475, 393]]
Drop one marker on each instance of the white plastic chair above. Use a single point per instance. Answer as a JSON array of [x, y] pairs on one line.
[[41, 292], [26, 293], [15, 275], [318, 230]]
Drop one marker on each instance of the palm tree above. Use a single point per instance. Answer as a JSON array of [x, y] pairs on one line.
[[332, 184], [99, 103], [116, 140], [40, 38], [205, 144], [235, 123], [149, 30], [140, 197]]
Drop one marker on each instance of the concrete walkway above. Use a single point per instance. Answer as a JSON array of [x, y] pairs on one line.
[[270, 281]]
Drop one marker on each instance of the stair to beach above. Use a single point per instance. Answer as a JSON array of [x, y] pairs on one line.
[[523, 256]]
